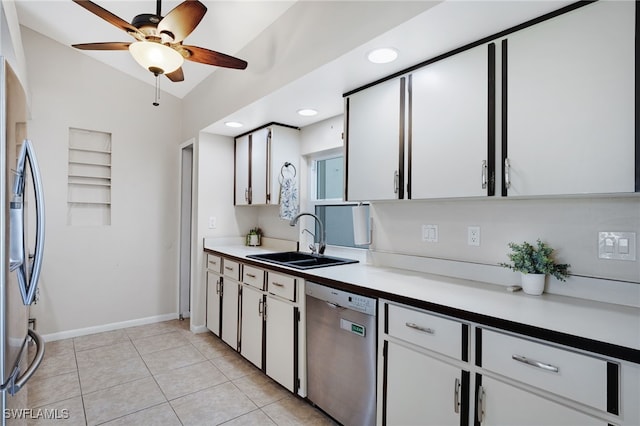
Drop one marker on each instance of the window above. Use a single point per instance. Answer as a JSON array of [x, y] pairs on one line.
[[327, 189]]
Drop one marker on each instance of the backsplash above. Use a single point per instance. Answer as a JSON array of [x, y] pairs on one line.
[[569, 225]]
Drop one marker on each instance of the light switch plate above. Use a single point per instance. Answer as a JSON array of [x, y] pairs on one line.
[[430, 233], [617, 245]]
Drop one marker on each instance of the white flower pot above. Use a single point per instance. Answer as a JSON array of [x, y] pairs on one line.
[[253, 240], [533, 283]]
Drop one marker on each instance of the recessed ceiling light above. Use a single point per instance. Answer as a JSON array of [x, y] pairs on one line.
[[307, 112], [234, 124], [383, 55]]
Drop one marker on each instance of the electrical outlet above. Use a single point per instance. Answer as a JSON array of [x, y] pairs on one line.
[[430, 233], [212, 222], [473, 236]]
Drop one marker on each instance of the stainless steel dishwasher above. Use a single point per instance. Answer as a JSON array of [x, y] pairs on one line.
[[341, 354]]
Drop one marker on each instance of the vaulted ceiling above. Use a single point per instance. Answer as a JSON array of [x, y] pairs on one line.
[[432, 28]]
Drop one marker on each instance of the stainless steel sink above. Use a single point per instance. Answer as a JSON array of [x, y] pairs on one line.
[[300, 260]]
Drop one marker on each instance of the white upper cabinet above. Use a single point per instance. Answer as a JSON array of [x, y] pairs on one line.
[[260, 158], [375, 142], [570, 110], [242, 171], [452, 126]]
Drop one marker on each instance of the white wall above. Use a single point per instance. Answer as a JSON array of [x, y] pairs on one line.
[[96, 276], [213, 189]]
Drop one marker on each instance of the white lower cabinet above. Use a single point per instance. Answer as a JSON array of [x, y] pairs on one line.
[[260, 313], [214, 293], [214, 302], [423, 374], [281, 342], [230, 299], [422, 390], [435, 369], [500, 403], [252, 324]]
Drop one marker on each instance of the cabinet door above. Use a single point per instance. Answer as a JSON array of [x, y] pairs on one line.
[[259, 166], [213, 302], [281, 342], [422, 390], [503, 404], [242, 171], [230, 313], [252, 325], [452, 126], [375, 142], [570, 103], [284, 148]]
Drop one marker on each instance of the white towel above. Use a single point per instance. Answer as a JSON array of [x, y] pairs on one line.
[[288, 199]]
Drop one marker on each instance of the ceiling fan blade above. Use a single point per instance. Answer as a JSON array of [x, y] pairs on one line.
[[176, 76], [182, 20], [209, 57], [107, 16], [102, 46]]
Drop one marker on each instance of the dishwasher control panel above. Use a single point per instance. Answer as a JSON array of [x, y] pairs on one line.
[[356, 302]]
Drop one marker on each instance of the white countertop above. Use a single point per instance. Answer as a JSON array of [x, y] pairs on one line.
[[604, 322]]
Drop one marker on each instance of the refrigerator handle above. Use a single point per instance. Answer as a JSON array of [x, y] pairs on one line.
[[37, 359], [28, 281]]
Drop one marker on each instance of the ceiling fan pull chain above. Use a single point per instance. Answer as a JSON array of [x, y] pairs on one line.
[[156, 103]]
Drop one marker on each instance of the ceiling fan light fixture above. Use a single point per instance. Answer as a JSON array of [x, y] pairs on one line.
[[156, 57]]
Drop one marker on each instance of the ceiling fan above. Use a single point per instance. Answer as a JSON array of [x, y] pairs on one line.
[[158, 40]]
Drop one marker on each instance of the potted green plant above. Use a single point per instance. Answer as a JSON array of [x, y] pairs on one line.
[[254, 237], [534, 264]]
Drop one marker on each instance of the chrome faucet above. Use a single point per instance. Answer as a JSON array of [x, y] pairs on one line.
[[322, 245]]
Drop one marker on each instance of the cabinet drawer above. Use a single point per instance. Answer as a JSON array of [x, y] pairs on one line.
[[428, 331], [282, 285], [231, 269], [214, 263], [572, 375], [253, 276]]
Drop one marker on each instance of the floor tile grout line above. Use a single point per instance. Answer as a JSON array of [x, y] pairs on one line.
[[75, 356]]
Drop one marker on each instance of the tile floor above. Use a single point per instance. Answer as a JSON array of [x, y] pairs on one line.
[[159, 374]]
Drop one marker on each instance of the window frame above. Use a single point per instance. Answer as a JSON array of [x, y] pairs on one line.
[[313, 189]]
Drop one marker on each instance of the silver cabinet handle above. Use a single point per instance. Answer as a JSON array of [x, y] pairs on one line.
[[396, 182], [534, 363], [456, 396], [217, 286], [251, 275], [277, 284], [228, 268], [246, 194], [420, 328], [507, 173], [260, 305], [484, 174], [480, 405]]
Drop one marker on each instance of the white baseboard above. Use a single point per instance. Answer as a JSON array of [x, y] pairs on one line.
[[108, 327]]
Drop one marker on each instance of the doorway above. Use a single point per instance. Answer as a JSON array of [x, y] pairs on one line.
[[186, 202]]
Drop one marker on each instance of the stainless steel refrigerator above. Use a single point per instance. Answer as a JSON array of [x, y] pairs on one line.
[[20, 269]]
